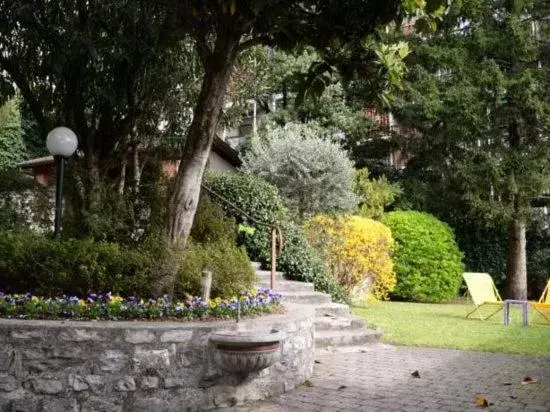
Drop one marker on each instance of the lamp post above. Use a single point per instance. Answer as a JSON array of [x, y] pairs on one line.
[[61, 143]]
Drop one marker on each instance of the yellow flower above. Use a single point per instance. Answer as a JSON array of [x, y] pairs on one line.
[[35, 299], [81, 302], [117, 299], [212, 304]]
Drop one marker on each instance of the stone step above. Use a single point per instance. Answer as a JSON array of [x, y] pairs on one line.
[[288, 285], [267, 274], [338, 322], [353, 337], [308, 297], [332, 309]]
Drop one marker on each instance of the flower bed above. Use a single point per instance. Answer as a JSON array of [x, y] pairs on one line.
[[113, 307]]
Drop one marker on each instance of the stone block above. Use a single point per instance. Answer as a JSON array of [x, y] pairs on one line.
[[24, 404], [51, 404], [80, 335], [139, 336], [151, 360], [5, 356], [67, 352], [33, 334], [173, 382], [46, 386], [126, 384], [176, 336], [96, 403], [149, 382], [151, 404], [113, 361], [96, 383], [8, 383], [78, 382]]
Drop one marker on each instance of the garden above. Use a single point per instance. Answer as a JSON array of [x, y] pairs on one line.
[[384, 161]]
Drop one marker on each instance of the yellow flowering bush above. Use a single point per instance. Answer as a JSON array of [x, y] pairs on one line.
[[357, 251]]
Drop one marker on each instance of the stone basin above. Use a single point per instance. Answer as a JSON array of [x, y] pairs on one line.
[[248, 351]]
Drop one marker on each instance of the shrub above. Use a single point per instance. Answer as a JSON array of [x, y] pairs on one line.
[[375, 194], [36, 264], [211, 224], [255, 196], [298, 260], [231, 269], [313, 174], [357, 252], [261, 201], [427, 260]]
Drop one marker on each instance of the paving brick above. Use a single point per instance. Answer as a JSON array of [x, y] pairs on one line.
[[380, 380]]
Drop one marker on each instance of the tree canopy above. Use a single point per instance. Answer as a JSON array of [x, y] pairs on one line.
[[477, 99]]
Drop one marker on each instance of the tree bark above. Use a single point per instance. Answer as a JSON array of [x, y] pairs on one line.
[[184, 199], [516, 267]]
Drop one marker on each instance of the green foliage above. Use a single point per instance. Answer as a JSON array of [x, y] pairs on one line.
[[12, 150], [41, 265], [483, 122], [261, 200], [213, 248], [211, 224], [231, 270], [375, 194], [255, 196], [477, 94], [298, 260], [313, 174], [427, 260], [538, 255]]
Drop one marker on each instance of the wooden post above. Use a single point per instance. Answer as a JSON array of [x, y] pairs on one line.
[[273, 256], [206, 282]]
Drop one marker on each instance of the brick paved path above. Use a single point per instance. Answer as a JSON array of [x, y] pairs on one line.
[[379, 379]]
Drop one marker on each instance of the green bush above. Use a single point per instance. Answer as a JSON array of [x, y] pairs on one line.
[[213, 247], [231, 270], [41, 265], [253, 195], [427, 260], [261, 201], [211, 224]]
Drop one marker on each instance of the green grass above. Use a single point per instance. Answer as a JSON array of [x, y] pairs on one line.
[[445, 326]]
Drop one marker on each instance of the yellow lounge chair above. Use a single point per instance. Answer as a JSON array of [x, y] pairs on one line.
[[543, 305], [484, 294]]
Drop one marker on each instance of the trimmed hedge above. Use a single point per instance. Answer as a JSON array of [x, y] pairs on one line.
[[41, 265], [427, 260]]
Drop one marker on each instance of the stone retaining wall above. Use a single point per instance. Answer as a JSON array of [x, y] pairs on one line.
[[140, 366]]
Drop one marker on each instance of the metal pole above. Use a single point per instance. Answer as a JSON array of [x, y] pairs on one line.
[[60, 162], [273, 256]]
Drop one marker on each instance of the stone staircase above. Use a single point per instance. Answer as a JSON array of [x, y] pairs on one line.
[[335, 326]]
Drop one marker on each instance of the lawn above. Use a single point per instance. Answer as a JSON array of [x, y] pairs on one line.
[[445, 326]]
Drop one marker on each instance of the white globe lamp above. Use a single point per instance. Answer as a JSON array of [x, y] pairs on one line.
[[61, 143]]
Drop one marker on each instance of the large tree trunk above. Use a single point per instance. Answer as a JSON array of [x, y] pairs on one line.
[[516, 267], [183, 203]]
